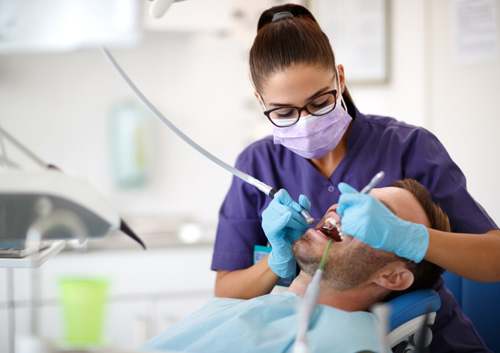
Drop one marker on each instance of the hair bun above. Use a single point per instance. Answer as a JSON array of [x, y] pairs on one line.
[[279, 12], [283, 14]]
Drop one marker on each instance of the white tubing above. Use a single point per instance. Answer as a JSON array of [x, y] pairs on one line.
[[243, 176], [307, 309]]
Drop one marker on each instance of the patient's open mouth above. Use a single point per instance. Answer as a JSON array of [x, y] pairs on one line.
[[333, 233]]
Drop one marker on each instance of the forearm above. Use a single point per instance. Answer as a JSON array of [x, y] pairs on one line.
[[472, 256], [251, 282]]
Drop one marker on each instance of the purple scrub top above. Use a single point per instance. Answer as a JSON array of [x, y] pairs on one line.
[[375, 143]]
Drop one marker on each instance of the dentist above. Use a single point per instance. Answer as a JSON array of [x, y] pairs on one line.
[[321, 139]]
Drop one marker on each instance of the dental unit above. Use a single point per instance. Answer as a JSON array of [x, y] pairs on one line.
[[266, 189], [49, 204], [313, 289]]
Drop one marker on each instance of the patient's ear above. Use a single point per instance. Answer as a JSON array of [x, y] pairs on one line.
[[394, 276]]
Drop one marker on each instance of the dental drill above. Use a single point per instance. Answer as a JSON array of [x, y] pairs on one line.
[[314, 287], [266, 189]]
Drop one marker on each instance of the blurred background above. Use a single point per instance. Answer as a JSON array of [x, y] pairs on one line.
[[430, 63]]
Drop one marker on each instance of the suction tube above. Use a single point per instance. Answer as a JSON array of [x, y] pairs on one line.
[[243, 176], [266, 189]]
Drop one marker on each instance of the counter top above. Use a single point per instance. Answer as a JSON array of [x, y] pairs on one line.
[[33, 260]]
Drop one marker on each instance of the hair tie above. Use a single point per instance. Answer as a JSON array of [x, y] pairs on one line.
[[278, 16]]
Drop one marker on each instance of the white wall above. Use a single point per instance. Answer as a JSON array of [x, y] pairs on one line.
[[403, 96], [465, 107]]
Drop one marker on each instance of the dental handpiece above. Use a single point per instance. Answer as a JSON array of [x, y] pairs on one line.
[[266, 189], [374, 182], [303, 212]]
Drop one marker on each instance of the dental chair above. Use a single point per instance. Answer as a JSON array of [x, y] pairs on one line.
[[412, 315]]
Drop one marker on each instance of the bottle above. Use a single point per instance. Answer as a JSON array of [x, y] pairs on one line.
[[129, 145]]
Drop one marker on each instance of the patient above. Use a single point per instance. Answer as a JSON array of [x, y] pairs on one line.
[[355, 277]]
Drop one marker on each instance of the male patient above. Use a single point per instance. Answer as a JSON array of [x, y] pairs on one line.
[[355, 277]]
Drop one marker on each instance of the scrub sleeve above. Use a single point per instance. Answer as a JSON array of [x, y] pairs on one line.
[[375, 143]]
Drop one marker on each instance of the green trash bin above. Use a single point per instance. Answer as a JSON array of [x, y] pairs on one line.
[[83, 302]]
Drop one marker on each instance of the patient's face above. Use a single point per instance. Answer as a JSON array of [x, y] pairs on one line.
[[351, 262]]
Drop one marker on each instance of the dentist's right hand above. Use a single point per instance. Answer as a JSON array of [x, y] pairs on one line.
[[283, 224]]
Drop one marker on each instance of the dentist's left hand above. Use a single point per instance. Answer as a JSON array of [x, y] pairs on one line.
[[283, 224], [366, 218]]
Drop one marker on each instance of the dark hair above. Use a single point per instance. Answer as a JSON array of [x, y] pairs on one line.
[[296, 39], [426, 273]]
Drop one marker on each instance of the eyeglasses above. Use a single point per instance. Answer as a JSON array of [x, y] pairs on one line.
[[317, 106]]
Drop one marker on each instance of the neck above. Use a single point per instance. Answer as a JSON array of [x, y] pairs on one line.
[[359, 298], [326, 165]]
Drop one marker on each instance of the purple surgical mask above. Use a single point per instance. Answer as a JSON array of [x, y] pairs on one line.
[[314, 136]]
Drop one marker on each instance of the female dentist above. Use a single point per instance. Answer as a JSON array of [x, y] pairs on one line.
[[319, 140]]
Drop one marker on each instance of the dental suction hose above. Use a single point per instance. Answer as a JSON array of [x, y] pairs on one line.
[[309, 303], [266, 189]]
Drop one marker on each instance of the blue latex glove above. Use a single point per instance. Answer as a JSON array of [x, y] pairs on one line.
[[366, 218], [283, 224]]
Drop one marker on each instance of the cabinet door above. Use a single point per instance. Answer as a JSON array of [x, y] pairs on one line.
[[4, 333], [129, 323]]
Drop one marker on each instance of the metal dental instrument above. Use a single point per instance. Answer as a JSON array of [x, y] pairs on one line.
[[266, 189], [313, 289], [374, 182]]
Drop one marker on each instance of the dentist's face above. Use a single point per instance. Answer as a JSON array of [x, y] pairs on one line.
[[351, 262]]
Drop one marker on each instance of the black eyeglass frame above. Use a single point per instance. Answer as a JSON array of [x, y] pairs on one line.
[[304, 107]]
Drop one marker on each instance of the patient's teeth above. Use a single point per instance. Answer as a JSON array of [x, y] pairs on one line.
[[329, 222]]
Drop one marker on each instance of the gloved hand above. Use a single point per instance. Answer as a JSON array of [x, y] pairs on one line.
[[366, 218], [283, 224]]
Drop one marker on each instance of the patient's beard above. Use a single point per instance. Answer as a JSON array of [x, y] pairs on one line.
[[343, 270], [308, 261]]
